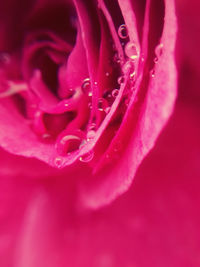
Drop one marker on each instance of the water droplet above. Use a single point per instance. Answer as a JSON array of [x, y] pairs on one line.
[[123, 31], [109, 96], [68, 143], [132, 75], [159, 50], [120, 80], [127, 102], [91, 131], [107, 74], [102, 104], [87, 157], [92, 126], [83, 143], [152, 73], [155, 60], [142, 58], [115, 93], [46, 136], [66, 105], [127, 66], [58, 162], [116, 58], [90, 135], [90, 105], [86, 86], [131, 51], [107, 110]]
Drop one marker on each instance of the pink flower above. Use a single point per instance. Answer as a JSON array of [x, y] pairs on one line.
[[87, 88], [44, 191]]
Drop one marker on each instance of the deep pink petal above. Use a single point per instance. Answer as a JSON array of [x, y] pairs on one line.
[[152, 114]]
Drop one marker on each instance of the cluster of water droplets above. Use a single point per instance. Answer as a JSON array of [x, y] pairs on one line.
[[104, 104], [74, 143]]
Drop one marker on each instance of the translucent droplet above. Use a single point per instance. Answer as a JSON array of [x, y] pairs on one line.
[[46, 136], [90, 135], [159, 50], [102, 104], [68, 143], [58, 162], [90, 105], [120, 80], [86, 86], [152, 73], [109, 96], [83, 143], [107, 74], [127, 66], [115, 93], [92, 126], [142, 58], [107, 110], [123, 31], [132, 75], [155, 60], [131, 51], [116, 58], [87, 157]]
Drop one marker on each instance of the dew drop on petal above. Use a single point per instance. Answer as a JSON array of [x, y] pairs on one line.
[[83, 143], [86, 86], [102, 104], [115, 93], [123, 31], [90, 135], [46, 136], [92, 126], [155, 60], [68, 143], [120, 80], [91, 131], [90, 105], [127, 102], [116, 58], [107, 110], [87, 157], [159, 50], [142, 58], [131, 51], [152, 73], [58, 162], [132, 75]]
